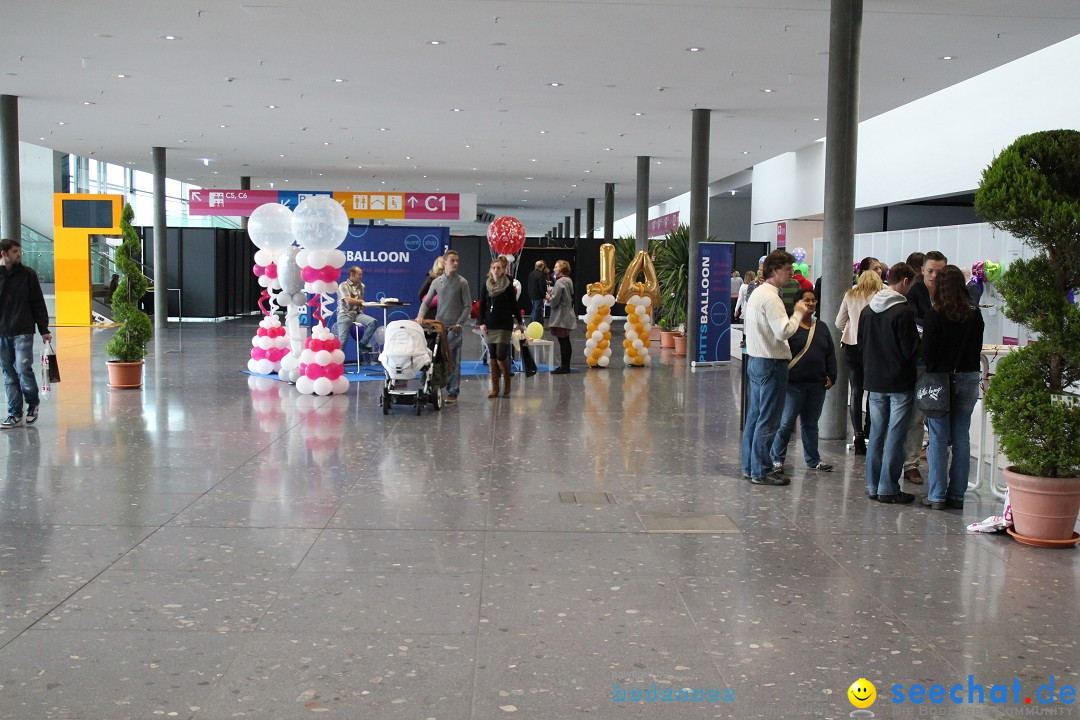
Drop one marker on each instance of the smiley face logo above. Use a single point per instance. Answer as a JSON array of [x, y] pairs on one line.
[[862, 693]]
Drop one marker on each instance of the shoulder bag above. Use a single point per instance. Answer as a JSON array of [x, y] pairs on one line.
[[809, 339]]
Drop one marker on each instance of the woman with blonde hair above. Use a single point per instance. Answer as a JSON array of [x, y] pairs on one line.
[[847, 322], [563, 319], [498, 312], [749, 283], [437, 269]]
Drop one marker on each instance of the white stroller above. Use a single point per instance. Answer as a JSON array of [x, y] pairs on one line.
[[410, 355]]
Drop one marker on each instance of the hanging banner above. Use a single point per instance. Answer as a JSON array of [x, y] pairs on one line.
[[357, 205], [710, 325]]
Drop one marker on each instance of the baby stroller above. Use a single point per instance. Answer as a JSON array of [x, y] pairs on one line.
[[414, 359]]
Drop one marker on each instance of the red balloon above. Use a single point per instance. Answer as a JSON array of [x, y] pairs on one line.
[[506, 235], [333, 372]]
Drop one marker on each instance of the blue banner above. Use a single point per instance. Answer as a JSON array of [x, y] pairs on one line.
[[395, 260], [710, 325]]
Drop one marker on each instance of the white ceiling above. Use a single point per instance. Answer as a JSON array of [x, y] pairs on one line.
[[524, 147]]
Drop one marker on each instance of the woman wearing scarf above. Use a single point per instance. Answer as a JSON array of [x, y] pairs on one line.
[[562, 319], [498, 310]]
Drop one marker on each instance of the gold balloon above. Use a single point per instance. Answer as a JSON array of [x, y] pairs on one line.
[[607, 272], [642, 263]]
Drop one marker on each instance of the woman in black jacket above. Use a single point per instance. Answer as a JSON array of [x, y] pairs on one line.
[[498, 315], [810, 375], [952, 342]]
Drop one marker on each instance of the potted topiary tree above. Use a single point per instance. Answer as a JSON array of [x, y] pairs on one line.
[[127, 348], [1032, 190]]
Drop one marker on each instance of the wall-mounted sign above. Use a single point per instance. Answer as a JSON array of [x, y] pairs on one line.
[[781, 235], [358, 205], [664, 224]]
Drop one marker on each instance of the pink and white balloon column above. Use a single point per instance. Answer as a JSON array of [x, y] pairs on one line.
[[270, 228], [319, 225]]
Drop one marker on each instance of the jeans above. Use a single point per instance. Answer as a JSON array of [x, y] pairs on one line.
[[17, 361], [913, 442], [453, 344], [537, 311], [853, 356], [768, 387], [890, 414], [804, 402], [345, 322], [950, 481]]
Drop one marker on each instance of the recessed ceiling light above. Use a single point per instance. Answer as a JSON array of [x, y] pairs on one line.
[[457, 109], [949, 57], [543, 132], [694, 49], [206, 161], [607, 149], [435, 42], [325, 144], [223, 126], [281, 156], [745, 152], [181, 141], [271, 107], [732, 192], [555, 84], [588, 171], [170, 37], [468, 146], [525, 190], [638, 114], [121, 75], [383, 129], [61, 123], [529, 178], [359, 167], [768, 90], [340, 80], [817, 119], [87, 102], [532, 159], [408, 157]]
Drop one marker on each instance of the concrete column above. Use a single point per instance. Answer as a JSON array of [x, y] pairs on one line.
[[10, 183], [560, 235], [842, 139], [566, 226], [609, 212], [577, 223], [699, 215], [161, 255], [590, 218], [245, 184], [641, 237]]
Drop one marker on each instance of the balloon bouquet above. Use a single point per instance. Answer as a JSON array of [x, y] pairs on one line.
[[800, 262], [598, 301], [320, 225], [270, 228], [506, 237]]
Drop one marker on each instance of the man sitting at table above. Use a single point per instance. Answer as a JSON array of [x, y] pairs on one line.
[[350, 309]]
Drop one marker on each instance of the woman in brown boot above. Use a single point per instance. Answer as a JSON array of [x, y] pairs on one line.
[[498, 310]]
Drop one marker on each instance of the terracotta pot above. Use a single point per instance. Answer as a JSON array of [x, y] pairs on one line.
[[654, 334], [125, 374], [1043, 508], [680, 344], [667, 339]]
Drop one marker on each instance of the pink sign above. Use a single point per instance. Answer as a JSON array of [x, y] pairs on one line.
[[432, 206], [781, 234], [228, 202], [664, 224]]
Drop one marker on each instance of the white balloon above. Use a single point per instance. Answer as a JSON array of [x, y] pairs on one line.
[[323, 386], [337, 357], [609, 300], [638, 344], [517, 288], [631, 334], [290, 362], [264, 281], [292, 375], [275, 285], [604, 327], [336, 258], [255, 340], [302, 257], [597, 335], [590, 344], [626, 358], [604, 361], [304, 385], [299, 298], [322, 357], [264, 366], [585, 300], [307, 357], [270, 227], [281, 342], [341, 385], [641, 310], [263, 257], [647, 301], [320, 223], [252, 365], [318, 258], [265, 342]]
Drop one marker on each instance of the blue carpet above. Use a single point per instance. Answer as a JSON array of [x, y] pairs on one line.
[[369, 373]]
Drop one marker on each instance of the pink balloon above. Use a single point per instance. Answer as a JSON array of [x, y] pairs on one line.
[[271, 271], [310, 274], [261, 332], [258, 353], [333, 372], [259, 270], [314, 345], [314, 371], [329, 274], [302, 368]]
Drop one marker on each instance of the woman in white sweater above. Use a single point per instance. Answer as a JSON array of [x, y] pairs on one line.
[[847, 322]]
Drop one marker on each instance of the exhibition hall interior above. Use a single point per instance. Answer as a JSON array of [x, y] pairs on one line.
[[302, 507]]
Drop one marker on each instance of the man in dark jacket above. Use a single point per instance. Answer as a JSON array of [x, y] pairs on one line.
[[22, 308], [536, 287], [889, 341]]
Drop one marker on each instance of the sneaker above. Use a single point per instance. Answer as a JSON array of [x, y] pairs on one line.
[[13, 421], [899, 498], [32, 415], [821, 467], [451, 399], [775, 479], [778, 468], [871, 495], [932, 504], [913, 476]]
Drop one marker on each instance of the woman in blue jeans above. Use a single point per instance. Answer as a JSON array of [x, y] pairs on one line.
[[810, 375], [952, 342]]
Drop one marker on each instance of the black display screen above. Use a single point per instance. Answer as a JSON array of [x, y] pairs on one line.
[[88, 214]]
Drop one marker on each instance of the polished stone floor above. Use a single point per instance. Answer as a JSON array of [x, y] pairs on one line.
[[215, 546]]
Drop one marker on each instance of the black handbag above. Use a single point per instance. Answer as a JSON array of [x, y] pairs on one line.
[[933, 391], [528, 362]]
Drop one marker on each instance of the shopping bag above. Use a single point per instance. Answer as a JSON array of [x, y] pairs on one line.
[[51, 366], [528, 363]]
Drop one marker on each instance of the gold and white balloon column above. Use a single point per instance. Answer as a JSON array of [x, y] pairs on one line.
[[598, 329], [640, 298]]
